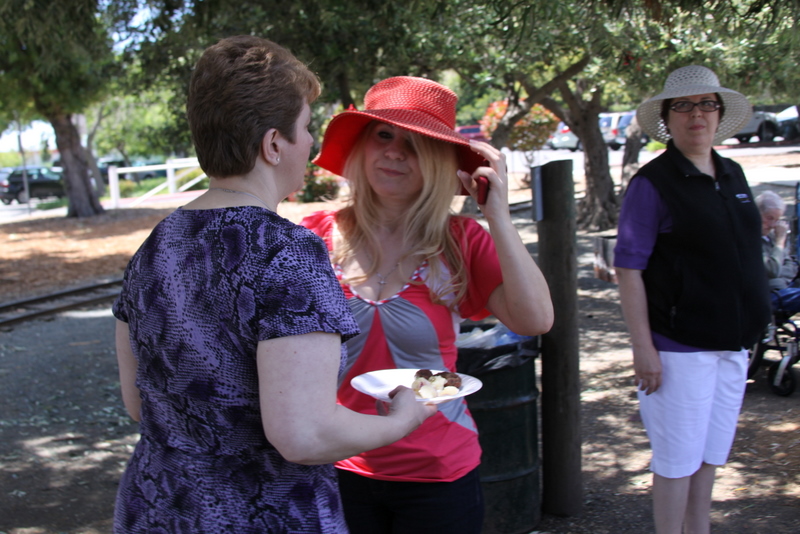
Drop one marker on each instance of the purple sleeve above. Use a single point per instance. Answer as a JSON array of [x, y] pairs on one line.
[[642, 217]]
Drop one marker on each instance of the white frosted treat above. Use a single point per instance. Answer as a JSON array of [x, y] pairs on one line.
[[449, 390]]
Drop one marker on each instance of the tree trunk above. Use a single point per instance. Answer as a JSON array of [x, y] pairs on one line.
[[344, 90], [630, 158], [598, 209], [515, 111], [83, 201], [100, 185]]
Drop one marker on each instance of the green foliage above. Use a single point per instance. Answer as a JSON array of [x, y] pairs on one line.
[[127, 188], [52, 204], [134, 125], [130, 188], [45, 151], [54, 56], [10, 159], [472, 99], [58, 57], [319, 185], [187, 176], [350, 44], [655, 146]]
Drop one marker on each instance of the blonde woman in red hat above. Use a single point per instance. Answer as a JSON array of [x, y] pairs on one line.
[[693, 290], [411, 271]]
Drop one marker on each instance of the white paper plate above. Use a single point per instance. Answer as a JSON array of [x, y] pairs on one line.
[[379, 384]]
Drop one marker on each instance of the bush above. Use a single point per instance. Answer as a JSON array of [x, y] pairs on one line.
[[53, 204], [127, 188], [187, 175], [530, 133], [319, 185]]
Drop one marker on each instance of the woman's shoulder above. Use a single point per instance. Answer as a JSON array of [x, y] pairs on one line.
[[269, 228], [658, 164], [320, 222], [464, 221], [467, 226], [727, 165]]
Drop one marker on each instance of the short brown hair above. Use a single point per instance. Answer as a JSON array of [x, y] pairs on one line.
[[240, 88]]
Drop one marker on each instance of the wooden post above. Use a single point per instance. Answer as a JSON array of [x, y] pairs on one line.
[[562, 487]]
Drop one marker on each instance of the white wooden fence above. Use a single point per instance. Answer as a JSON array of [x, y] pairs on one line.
[[171, 183]]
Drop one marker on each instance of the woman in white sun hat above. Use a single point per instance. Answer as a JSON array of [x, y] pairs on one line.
[[693, 290]]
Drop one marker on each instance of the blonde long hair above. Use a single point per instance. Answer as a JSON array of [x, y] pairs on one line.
[[426, 223]]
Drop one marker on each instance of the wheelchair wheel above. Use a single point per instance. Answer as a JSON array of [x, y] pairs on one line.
[[787, 382]]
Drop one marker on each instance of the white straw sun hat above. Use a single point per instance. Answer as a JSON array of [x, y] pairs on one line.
[[689, 81]]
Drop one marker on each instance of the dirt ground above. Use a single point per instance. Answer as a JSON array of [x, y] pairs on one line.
[[65, 436]]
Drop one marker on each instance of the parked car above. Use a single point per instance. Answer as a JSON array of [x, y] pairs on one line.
[[473, 131], [622, 128], [4, 172], [564, 138], [608, 127], [144, 175], [788, 124], [43, 182], [612, 126], [104, 164], [763, 124]]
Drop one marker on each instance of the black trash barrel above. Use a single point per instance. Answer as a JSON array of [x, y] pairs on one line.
[[506, 413]]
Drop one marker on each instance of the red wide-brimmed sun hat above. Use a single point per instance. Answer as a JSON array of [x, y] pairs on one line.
[[415, 104]]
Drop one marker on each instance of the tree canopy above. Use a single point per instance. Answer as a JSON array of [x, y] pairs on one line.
[[578, 58], [55, 59]]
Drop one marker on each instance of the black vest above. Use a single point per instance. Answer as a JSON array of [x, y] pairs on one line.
[[705, 281]]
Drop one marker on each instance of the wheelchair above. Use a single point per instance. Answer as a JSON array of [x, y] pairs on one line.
[[777, 350]]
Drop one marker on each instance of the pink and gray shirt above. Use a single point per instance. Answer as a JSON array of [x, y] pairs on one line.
[[409, 330]]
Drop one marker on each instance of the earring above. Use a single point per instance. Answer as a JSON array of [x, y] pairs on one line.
[[277, 160]]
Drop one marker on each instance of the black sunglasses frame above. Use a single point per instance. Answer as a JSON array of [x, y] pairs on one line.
[[717, 105]]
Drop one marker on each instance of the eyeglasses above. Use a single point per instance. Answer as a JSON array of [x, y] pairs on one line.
[[684, 106]]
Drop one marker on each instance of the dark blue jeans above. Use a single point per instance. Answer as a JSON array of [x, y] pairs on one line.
[[382, 507]]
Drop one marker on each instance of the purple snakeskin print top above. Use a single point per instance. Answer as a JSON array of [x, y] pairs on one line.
[[198, 296]]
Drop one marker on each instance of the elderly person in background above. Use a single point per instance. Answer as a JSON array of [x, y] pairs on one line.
[[693, 290], [230, 327], [781, 267]]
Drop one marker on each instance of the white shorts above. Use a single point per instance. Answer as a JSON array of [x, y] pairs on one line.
[[692, 417]]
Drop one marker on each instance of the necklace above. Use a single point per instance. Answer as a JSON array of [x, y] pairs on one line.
[[241, 193], [382, 278]]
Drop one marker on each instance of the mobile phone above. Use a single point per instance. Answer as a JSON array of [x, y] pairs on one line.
[[483, 189]]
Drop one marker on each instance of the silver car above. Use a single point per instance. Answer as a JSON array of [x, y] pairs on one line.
[[564, 138]]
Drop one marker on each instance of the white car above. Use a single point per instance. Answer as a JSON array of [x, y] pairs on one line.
[[763, 124], [564, 138], [789, 126], [609, 127]]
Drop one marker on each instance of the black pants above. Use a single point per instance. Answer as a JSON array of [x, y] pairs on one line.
[[382, 507]]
